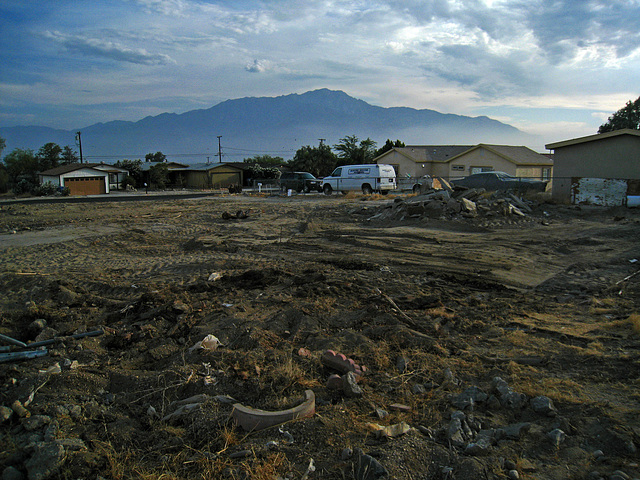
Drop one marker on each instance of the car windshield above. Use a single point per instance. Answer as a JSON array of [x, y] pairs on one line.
[[308, 176], [503, 175]]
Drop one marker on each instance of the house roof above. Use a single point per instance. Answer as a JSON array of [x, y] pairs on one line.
[[170, 165], [210, 166], [592, 138], [71, 167], [428, 153], [518, 155]]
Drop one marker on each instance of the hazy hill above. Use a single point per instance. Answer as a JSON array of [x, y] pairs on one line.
[[267, 125]]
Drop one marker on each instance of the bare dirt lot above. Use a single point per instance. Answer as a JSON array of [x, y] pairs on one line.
[[495, 346]]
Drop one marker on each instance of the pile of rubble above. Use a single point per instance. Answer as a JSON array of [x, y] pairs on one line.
[[450, 203]]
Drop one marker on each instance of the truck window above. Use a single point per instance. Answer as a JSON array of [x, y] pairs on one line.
[[336, 172]]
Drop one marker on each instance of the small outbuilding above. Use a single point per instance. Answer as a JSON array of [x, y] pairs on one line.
[[601, 169], [213, 175], [81, 179]]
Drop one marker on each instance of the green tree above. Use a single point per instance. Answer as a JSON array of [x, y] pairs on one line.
[[134, 167], [159, 175], [627, 117], [155, 157], [4, 179], [319, 161], [68, 156], [3, 144], [350, 151], [22, 168], [388, 145], [48, 156], [265, 160]]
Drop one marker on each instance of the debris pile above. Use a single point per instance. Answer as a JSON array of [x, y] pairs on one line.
[[449, 203]]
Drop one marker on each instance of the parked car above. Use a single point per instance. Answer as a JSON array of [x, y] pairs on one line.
[[500, 181], [366, 178], [300, 182]]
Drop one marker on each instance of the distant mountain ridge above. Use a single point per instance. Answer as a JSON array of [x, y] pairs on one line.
[[276, 126]]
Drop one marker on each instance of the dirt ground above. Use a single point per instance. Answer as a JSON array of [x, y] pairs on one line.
[[431, 306]]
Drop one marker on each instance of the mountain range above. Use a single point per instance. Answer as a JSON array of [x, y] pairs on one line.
[[276, 126]]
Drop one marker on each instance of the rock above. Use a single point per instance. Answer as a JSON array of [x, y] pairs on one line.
[[469, 398], [381, 413], [481, 446], [418, 389], [334, 382], [45, 461], [402, 363], [556, 436], [37, 326], [468, 207], [12, 473], [514, 400], [427, 432], [66, 296], [346, 454], [368, 468], [350, 385], [454, 206], [513, 474], [543, 405], [35, 422], [5, 413], [515, 430]]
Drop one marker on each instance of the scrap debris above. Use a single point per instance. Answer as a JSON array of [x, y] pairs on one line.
[[468, 203]]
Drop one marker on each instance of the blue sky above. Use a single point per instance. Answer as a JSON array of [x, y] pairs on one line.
[[553, 68]]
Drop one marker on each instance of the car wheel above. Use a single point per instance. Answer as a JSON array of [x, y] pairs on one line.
[[306, 189], [416, 188], [327, 189], [366, 189]]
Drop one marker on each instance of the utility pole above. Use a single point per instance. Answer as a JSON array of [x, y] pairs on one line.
[[79, 144], [207, 160], [322, 141], [219, 150]]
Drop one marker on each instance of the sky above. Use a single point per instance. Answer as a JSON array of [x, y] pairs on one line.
[[556, 69]]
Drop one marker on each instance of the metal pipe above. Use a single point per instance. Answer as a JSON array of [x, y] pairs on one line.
[[12, 356], [12, 341], [95, 333]]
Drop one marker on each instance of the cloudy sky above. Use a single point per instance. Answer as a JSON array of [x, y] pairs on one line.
[[555, 68]]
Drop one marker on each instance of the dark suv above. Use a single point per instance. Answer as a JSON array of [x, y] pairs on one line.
[[300, 182]]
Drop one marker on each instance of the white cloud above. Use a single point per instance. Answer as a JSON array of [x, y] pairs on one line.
[[257, 66], [98, 47]]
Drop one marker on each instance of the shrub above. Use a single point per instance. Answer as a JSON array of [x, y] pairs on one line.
[[45, 189], [23, 186], [128, 180]]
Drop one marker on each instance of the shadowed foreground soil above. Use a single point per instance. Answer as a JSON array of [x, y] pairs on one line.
[[431, 306]]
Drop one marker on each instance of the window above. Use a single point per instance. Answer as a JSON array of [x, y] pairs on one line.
[[457, 168], [546, 174]]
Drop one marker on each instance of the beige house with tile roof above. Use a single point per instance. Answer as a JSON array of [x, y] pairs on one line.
[[456, 161]]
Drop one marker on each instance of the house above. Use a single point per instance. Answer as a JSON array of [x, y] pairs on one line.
[[176, 172], [80, 178], [116, 174], [213, 175], [518, 161], [456, 161], [416, 161], [601, 169]]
